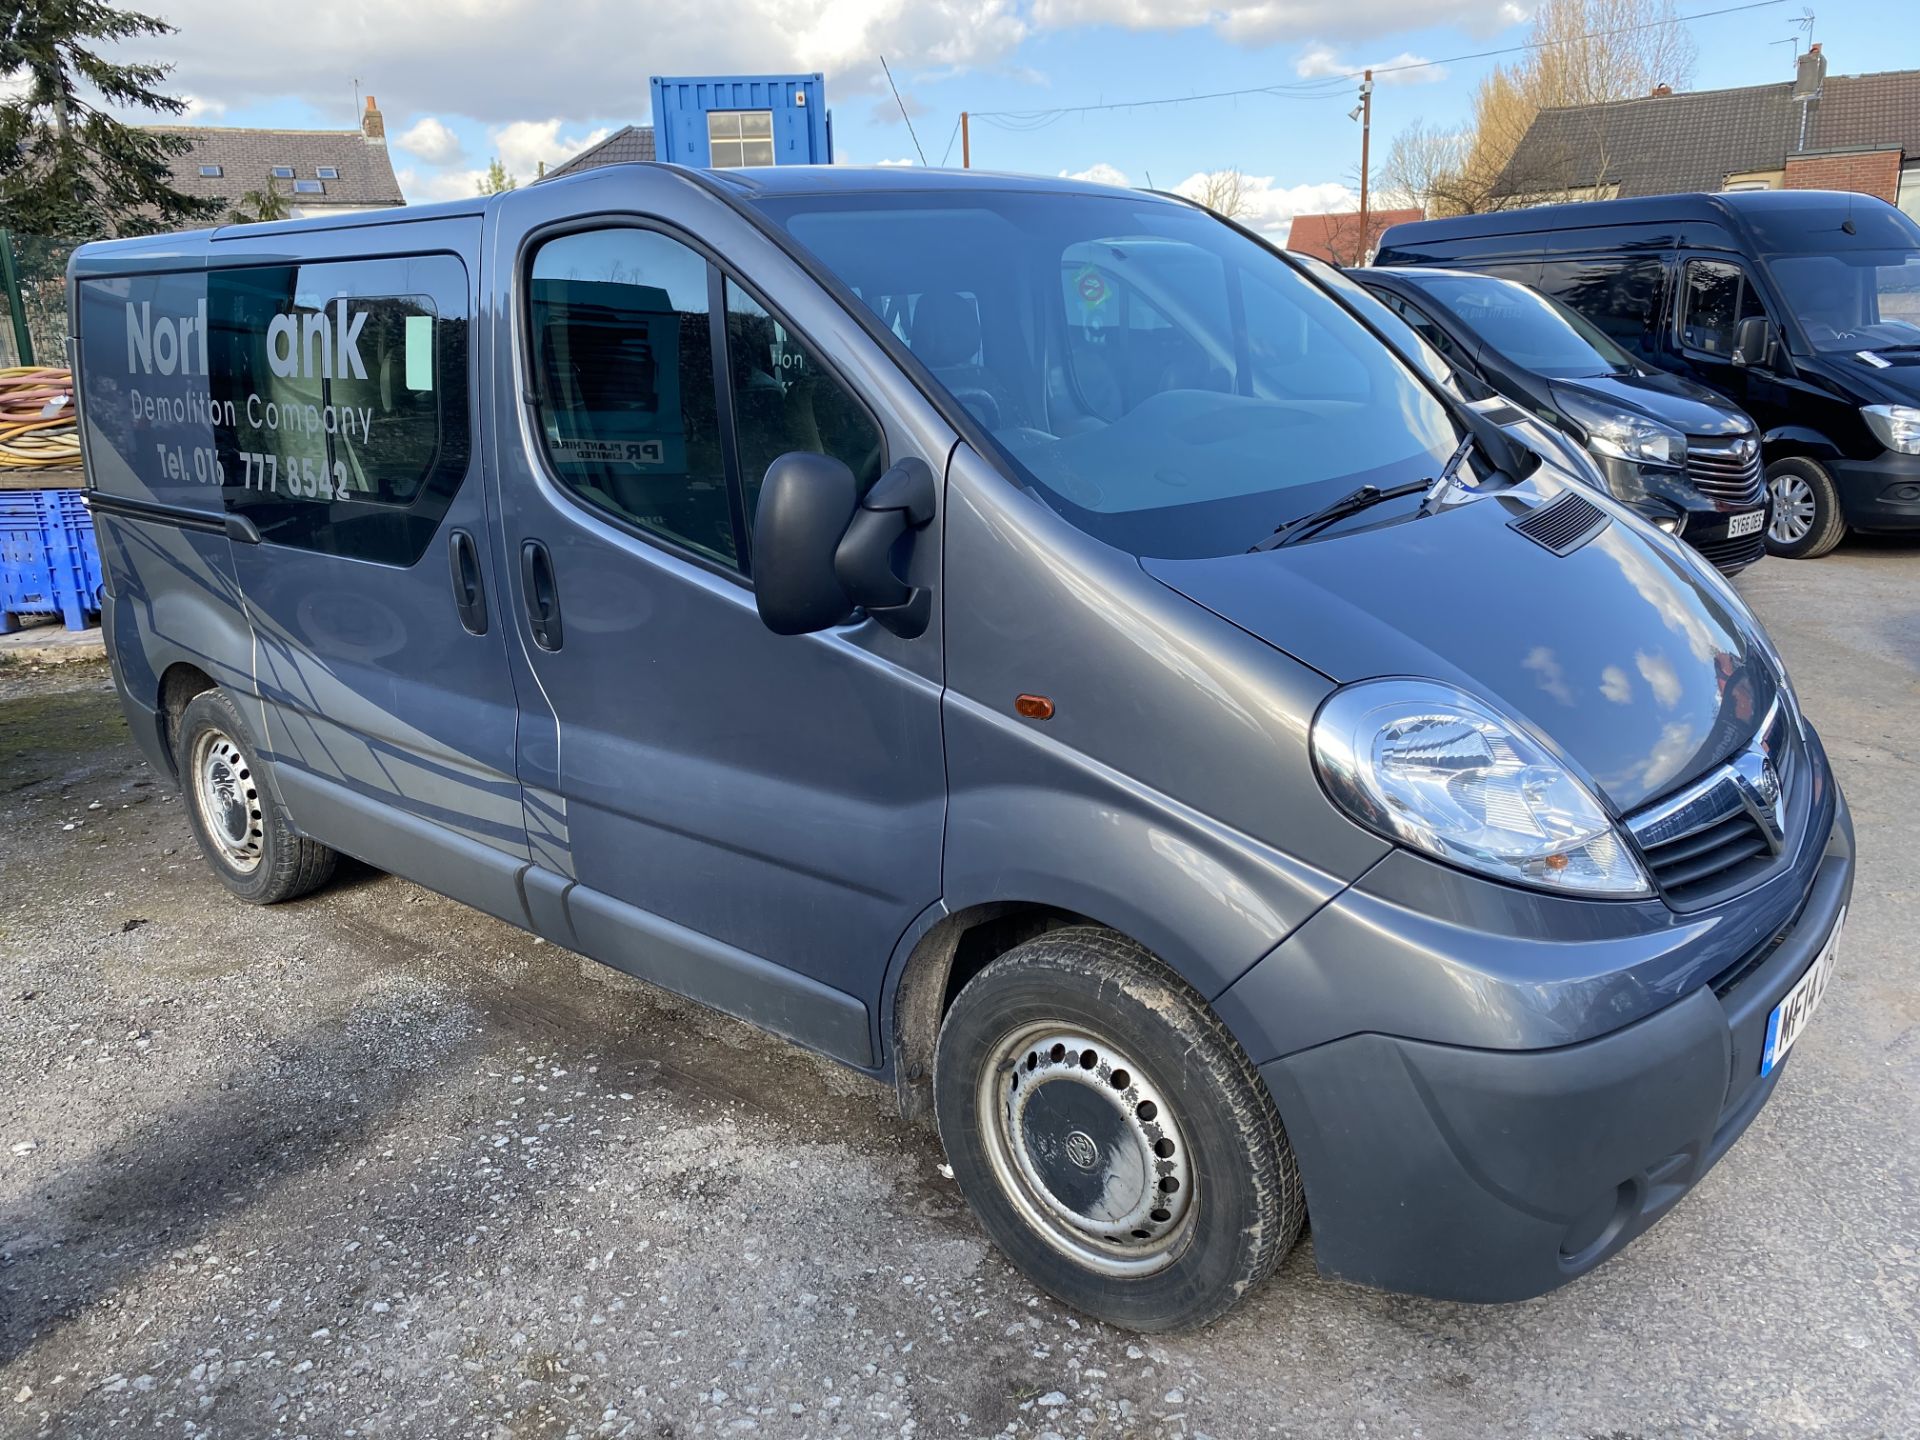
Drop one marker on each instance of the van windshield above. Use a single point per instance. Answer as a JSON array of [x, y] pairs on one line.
[[1535, 332], [1853, 300], [1169, 385]]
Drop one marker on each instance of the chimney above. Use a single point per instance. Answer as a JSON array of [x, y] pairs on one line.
[[1662, 89], [373, 124]]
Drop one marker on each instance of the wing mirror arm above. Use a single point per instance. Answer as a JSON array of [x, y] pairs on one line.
[[900, 503]]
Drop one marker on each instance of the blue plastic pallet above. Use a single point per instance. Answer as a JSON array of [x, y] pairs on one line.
[[49, 559]]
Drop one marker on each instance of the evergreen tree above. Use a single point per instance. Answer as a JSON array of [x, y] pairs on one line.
[[497, 181], [67, 167], [266, 203]]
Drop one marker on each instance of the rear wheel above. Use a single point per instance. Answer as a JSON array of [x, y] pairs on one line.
[[1111, 1136], [1806, 521], [245, 836]]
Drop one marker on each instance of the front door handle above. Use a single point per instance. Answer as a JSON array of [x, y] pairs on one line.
[[542, 595], [469, 594]]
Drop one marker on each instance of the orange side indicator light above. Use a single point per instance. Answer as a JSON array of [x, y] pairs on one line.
[[1033, 707]]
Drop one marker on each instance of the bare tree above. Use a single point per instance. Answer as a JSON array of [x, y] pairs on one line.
[[1423, 167], [1582, 52], [1222, 191]]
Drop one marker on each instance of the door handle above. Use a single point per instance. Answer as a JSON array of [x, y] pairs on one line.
[[469, 595], [542, 595]]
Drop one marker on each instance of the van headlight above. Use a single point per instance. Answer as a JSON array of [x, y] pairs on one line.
[[1432, 767], [1896, 426], [1624, 436]]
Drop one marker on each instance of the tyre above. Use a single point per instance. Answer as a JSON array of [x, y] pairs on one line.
[[243, 833], [1112, 1138], [1806, 521]]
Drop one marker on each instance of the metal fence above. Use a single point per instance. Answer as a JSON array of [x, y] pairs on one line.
[[33, 288]]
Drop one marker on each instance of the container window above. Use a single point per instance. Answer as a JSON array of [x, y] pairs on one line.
[[622, 353], [739, 137]]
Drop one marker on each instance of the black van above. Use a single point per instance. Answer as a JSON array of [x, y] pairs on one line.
[[1671, 450], [1802, 306]]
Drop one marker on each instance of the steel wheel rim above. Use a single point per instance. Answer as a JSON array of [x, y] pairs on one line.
[[228, 800], [1084, 1144], [1793, 509]]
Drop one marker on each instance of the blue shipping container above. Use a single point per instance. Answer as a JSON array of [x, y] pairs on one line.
[[731, 120]]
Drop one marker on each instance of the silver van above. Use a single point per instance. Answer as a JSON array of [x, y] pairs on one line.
[[1034, 643]]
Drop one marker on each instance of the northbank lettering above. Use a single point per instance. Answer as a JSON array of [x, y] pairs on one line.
[[321, 344]]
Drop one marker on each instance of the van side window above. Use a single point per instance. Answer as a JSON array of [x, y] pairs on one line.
[[621, 348], [1421, 325], [784, 401], [340, 414], [1717, 298], [1619, 295]]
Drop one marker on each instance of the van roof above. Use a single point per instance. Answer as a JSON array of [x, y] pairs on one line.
[[1731, 208]]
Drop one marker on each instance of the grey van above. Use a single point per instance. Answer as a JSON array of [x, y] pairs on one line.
[[1028, 641]]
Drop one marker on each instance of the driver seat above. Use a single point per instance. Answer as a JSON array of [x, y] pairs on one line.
[[945, 334]]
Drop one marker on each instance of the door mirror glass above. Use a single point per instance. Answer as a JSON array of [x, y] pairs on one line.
[[806, 503], [1753, 342]]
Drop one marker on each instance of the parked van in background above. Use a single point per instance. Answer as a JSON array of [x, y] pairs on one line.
[[1673, 451], [1025, 640], [1800, 306]]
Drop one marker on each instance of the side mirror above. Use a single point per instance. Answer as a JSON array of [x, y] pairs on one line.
[[820, 551], [900, 502], [1753, 342], [806, 503]]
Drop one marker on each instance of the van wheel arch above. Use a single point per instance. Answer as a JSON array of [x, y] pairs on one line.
[[951, 953], [178, 686]]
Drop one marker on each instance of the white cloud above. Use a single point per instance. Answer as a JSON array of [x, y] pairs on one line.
[[1255, 23], [1100, 173], [1319, 60], [1270, 208], [421, 187], [909, 161], [524, 145], [498, 60], [201, 111], [432, 141]]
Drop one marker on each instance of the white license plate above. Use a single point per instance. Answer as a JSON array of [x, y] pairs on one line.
[[1796, 1008], [1748, 524]]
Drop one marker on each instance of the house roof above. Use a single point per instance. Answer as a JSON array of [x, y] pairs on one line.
[[1331, 237], [1664, 144], [625, 146], [246, 159]]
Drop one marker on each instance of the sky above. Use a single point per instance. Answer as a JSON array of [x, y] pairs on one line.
[[463, 81]]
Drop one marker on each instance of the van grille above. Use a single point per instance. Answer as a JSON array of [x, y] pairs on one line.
[[1565, 525], [1707, 840], [1732, 556], [1728, 474]]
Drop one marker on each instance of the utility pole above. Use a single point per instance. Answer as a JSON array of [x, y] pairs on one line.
[[1366, 138], [966, 145]]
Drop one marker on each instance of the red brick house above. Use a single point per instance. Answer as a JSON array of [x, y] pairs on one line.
[[1336, 237]]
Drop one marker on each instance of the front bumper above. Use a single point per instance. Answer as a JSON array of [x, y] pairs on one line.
[[1481, 1173], [1660, 495], [1882, 493]]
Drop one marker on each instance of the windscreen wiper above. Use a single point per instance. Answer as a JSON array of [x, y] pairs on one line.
[[1352, 503]]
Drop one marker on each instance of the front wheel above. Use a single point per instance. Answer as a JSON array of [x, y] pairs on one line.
[[1806, 521], [1110, 1134]]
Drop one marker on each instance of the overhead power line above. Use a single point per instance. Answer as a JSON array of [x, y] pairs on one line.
[[1331, 86], [903, 109]]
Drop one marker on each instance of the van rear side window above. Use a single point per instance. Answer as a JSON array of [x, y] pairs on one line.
[[327, 402]]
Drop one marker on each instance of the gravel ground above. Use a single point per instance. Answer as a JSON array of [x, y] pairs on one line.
[[374, 1164]]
